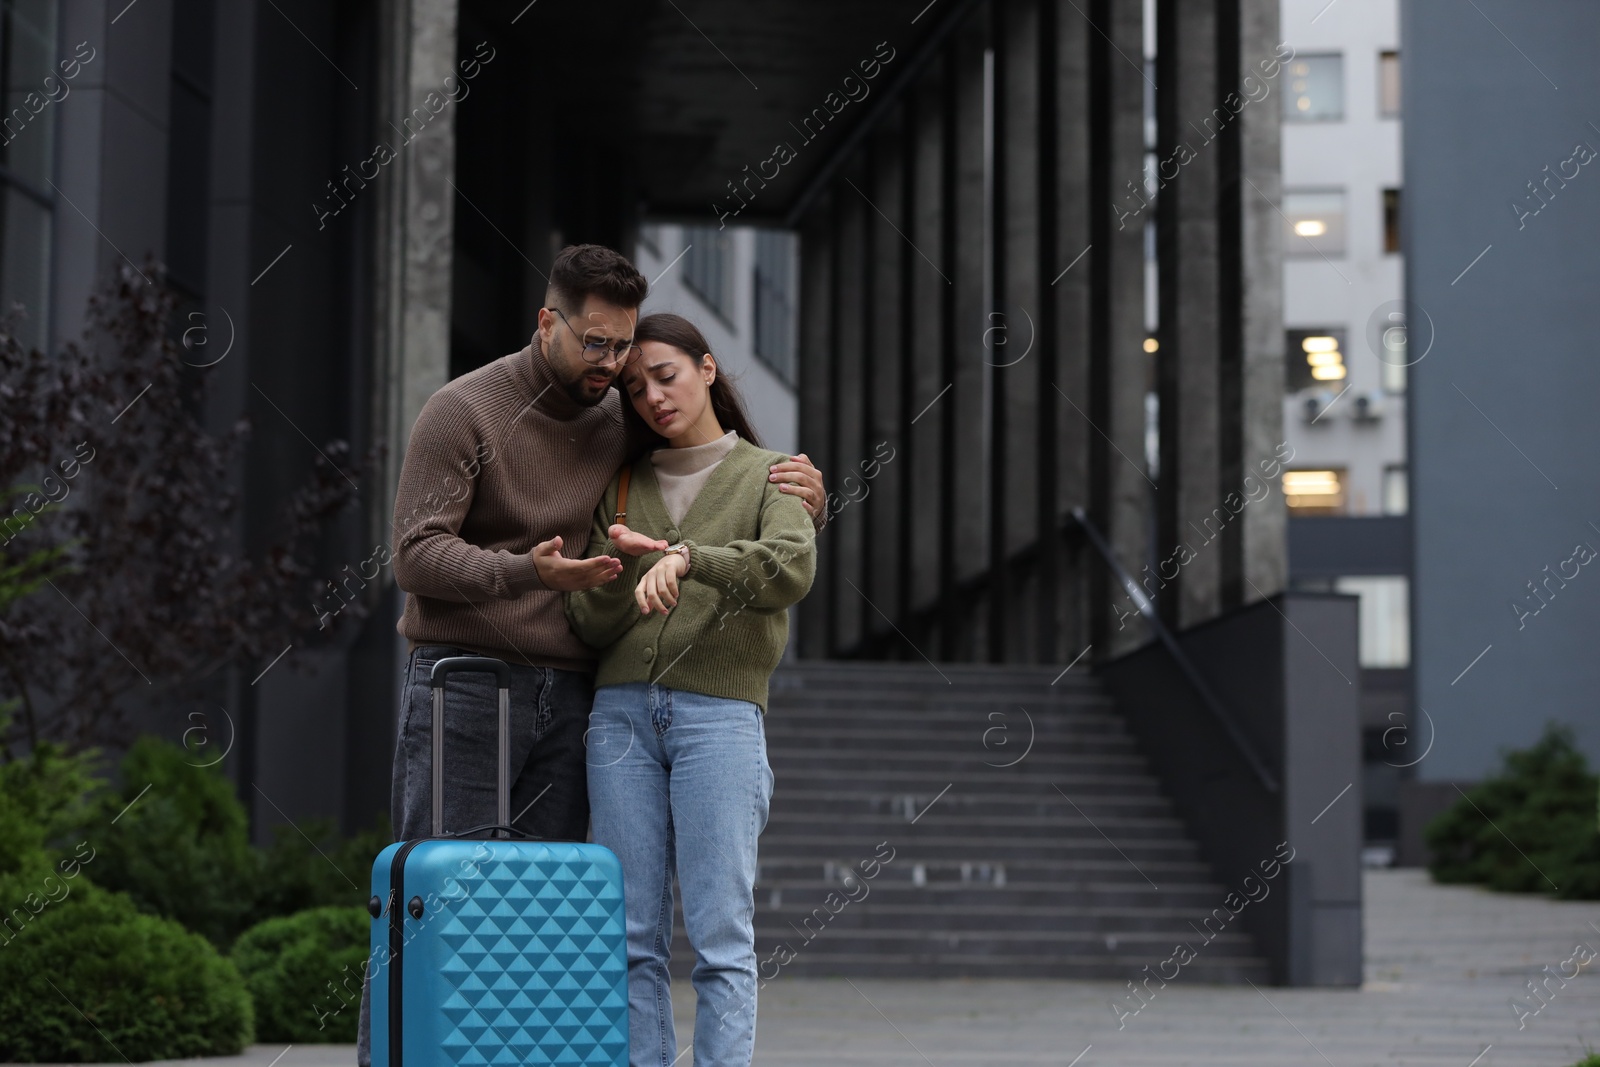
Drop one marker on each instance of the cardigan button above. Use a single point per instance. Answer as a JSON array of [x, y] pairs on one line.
[[648, 655], [672, 535]]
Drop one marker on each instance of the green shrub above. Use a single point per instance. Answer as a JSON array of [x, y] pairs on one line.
[[304, 971], [337, 872], [48, 797], [86, 977], [182, 851], [1529, 829]]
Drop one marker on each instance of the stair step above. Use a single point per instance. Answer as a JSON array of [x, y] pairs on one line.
[[1030, 837]]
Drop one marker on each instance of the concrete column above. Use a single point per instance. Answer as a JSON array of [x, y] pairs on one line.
[[415, 220], [1066, 436], [1121, 497], [1265, 564], [1012, 333], [1191, 325]]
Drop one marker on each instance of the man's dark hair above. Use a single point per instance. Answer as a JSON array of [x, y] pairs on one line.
[[581, 271]]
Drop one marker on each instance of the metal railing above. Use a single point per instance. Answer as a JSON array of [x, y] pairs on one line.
[[1202, 689]]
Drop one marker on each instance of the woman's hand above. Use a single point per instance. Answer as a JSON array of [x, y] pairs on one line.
[[658, 589], [632, 542]]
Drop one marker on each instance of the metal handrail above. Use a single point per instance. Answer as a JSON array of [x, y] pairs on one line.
[[1147, 610]]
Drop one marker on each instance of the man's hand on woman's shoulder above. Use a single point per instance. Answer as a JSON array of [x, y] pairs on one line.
[[799, 477]]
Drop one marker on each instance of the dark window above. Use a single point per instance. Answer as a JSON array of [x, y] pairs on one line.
[[1391, 220], [774, 303], [708, 267]]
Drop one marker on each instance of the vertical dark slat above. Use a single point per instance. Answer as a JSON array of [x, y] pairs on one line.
[[1230, 312], [815, 363], [967, 467], [886, 417], [849, 401]]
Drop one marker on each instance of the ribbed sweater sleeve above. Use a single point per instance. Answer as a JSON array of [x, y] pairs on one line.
[[771, 572], [438, 481]]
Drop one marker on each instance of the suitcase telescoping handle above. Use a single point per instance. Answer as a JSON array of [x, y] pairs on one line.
[[502, 676]]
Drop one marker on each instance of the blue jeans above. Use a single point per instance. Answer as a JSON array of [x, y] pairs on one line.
[[679, 780], [549, 714]]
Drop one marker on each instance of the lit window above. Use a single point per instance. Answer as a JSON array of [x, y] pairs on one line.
[[1314, 223], [1384, 626], [1388, 85], [1315, 492], [1395, 501], [1314, 358], [1314, 89]]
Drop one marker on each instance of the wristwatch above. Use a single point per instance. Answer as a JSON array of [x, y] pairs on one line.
[[680, 549]]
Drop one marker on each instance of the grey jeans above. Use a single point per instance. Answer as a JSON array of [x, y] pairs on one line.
[[549, 792]]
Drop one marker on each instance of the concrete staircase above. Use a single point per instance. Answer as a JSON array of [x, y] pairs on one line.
[[1002, 849]]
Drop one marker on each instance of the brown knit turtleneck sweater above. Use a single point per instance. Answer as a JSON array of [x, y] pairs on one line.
[[499, 460]]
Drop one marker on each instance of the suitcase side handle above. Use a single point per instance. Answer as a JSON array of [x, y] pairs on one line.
[[502, 676]]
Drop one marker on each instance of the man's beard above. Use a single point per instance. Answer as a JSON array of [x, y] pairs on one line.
[[574, 389], [578, 391]]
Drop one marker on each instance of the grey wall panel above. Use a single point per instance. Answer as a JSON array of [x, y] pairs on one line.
[[1501, 218]]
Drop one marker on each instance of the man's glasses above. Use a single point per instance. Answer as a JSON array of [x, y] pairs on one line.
[[623, 353]]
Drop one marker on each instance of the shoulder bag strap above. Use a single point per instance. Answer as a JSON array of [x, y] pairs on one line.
[[622, 495]]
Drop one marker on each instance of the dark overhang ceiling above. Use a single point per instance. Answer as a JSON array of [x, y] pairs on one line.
[[695, 94]]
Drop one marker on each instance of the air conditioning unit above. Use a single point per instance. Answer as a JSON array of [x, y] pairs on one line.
[[1313, 403], [1366, 407]]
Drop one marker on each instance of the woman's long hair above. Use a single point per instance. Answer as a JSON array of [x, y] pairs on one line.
[[680, 333]]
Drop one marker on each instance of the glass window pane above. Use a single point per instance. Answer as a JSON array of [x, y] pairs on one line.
[[774, 302], [1391, 220], [707, 267], [1314, 358], [1395, 501], [25, 262], [1313, 222], [27, 127], [1388, 84], [1315, 89], [1385, 631], [1315, 492]]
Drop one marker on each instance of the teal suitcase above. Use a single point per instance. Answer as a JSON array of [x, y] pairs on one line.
[[489, 948]]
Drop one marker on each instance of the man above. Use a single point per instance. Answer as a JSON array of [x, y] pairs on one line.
[[502, 472]]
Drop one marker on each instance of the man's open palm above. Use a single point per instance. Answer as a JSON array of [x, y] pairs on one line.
[[570, 575]]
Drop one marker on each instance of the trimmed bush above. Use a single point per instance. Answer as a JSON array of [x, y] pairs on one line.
[[304, 973], [86, 977], [182, 851], [337, 873], [1530, 829]]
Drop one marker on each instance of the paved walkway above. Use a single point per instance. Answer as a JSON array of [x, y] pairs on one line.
[[1441, 967]]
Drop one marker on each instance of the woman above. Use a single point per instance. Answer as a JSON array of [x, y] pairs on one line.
[[689, 634]]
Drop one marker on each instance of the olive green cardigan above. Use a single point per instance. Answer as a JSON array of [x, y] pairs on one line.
[[752, 553]]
